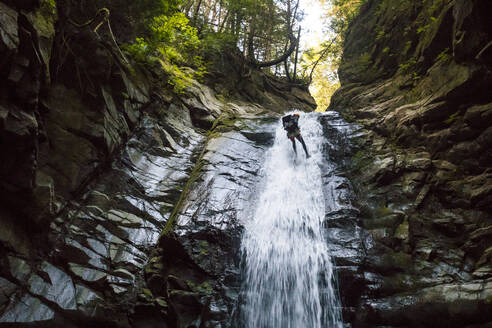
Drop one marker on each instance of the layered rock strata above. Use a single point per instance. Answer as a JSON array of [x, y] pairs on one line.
[[96, 167], [416, 76]]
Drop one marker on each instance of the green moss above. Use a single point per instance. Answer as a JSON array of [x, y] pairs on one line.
[[207, 287], [213, 134], [358, 156], [223, 97], [195, 173], [191, 284], [360, 160], [422, 29], [381, 35], [179, 292], [48, 7], [348, 117], [203, 247], [444, 56], [147, 292], [161, 302], [383, 211], [402, 231], [452, 118], [364, 61], [407, 47], [400, 260], [222, 124], [203, 288], [408, 66]]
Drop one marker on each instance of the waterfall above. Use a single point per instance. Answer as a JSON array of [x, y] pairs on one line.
[[289, 279]]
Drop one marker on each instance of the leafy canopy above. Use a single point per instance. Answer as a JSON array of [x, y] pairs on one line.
[[171, 44], [324, 59]]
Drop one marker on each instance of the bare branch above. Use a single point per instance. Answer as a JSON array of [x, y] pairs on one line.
[[322, 55]]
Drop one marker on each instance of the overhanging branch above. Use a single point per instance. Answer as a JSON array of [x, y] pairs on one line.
[[293, 43]]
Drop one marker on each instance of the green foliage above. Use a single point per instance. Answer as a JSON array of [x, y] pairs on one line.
[[364, 61], [51, 4], [427, 21], [203, 247], [424, 28], [171, 44], [343, 13], [382, 35], [383, 211], [48, 7], [394, 6], [444, 55], [339, 15], [325, 81], [203, 288], [408, 66], [146, 10], [407, 47], [360, 159], [452, 118], [214, 43]]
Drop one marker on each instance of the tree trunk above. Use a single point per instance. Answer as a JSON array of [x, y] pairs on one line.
[[297, 52], [293, 43], [197, 10], [286, 66], [221, 28]]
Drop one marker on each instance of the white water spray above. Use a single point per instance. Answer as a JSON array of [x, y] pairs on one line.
[[288, 271]]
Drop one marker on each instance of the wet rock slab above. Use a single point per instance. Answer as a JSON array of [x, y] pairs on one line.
[[102, 242], [209, 223]]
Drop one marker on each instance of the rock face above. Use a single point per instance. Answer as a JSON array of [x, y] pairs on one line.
[[102, 193], [255, 86], [121, 206], [207, 225], [416, 76]]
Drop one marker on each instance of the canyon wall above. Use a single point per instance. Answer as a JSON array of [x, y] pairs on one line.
[[97, 159], [416, 76]]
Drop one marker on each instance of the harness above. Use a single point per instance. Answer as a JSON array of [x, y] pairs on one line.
[[290, 125]]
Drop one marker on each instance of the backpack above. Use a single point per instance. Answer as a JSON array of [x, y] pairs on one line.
[[289, 121]]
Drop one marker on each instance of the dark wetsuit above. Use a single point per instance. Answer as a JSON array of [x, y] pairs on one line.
[[290, 125]]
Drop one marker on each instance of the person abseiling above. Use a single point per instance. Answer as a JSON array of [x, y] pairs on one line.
[[290, 123]]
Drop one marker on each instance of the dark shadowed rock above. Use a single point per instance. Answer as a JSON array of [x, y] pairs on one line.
[[421, 169]]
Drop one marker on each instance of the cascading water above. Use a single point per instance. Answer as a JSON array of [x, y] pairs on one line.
[[288, 272]]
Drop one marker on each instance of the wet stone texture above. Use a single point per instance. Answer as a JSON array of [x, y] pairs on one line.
[[93, 165], [402, 258], [420, 167], [100, 244], [151, 239], [405, 259], [98, 166], [345, 236], [201, 279]]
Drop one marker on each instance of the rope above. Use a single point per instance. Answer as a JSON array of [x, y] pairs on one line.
[[115, 43], [102, 16], [104, 12]]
